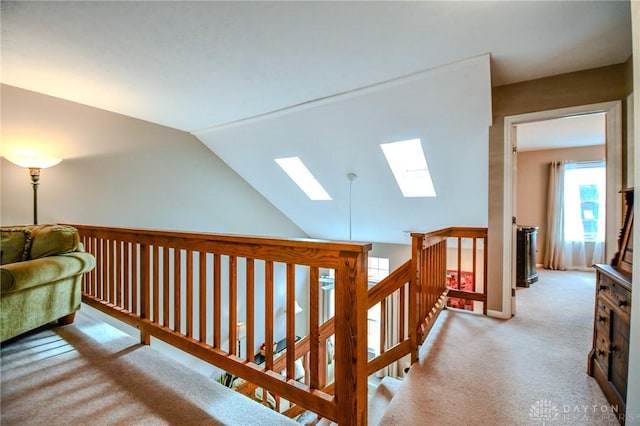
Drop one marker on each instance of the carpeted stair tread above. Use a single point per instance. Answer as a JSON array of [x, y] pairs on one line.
[[381, 398]]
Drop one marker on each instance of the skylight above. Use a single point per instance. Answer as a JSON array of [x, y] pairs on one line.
[[409, 166], [297, 171]]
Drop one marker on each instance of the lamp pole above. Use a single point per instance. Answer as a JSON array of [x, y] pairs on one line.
[[240, 334], [35, 178], [35, 164]]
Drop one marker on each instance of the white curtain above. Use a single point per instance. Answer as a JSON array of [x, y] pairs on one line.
[[566, 245], [554, 247]]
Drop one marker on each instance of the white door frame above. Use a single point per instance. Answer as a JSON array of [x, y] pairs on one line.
[[613, 113]]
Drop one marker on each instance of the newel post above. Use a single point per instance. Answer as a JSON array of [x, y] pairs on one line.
[[414, 293], [351, 338]]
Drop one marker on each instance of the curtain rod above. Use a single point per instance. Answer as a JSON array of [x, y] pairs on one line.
[[579, 162]]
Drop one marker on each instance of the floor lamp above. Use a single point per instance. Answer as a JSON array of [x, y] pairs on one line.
[[35, 165], [240, 334]]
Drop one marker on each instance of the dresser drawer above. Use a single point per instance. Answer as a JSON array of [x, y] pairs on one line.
[[602, 351], [603, 318], [621, 297], [604, 284], [615, 286], [613, 291]]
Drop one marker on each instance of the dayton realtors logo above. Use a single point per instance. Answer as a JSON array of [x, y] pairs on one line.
[[543, 410], [546, 412]]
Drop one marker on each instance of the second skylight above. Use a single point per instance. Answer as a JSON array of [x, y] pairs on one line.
[[409, 166], [301, 175]]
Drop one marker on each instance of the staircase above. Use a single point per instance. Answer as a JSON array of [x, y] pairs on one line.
[[381, 398], [174, 286]]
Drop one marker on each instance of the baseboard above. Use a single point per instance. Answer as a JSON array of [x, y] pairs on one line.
[[498, 314]]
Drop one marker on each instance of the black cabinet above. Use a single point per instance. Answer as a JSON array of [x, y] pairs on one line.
[[526, 256]]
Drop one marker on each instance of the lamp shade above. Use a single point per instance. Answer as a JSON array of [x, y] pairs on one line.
[[35, 162]]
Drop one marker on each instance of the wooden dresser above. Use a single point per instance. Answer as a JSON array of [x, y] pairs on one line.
[[609, 357]]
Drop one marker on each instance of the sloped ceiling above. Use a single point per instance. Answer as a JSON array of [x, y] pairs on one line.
[[343, 135], [246, 77]]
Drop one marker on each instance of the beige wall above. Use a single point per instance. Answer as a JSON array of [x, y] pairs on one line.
[[123, 172], [633, 391], [120, 171], [533, 181], [603, 84]]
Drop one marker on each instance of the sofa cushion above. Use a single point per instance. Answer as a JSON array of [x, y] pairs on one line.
[[49, 240], [20, 276], [15, 244]]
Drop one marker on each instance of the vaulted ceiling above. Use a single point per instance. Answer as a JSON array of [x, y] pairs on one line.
[[326, 81]]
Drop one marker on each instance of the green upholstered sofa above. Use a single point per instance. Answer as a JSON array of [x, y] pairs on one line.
[[40, 276]]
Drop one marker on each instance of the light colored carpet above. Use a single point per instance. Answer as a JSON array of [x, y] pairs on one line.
[[528, 370], [89, 373], [473, 370]]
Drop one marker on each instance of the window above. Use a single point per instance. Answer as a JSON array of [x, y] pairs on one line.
[[378, 270], [584, 201], [589, 209], [409, 166], [300, 174]]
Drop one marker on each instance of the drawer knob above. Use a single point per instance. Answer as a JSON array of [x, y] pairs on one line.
[[622, 302], [602, 287], [601, 318], [600, 352]]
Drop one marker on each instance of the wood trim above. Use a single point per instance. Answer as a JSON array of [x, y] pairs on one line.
[[217, 300], [250, 309], [202, 297], [390, 355]]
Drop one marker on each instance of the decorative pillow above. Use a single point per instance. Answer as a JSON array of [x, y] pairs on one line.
[[15, 243], [49, 240]]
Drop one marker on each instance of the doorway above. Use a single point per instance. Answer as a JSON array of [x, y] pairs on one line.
[[613, 119]]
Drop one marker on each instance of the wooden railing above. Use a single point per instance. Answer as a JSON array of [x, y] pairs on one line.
[[188, 290], [191, 289], [472, 242], [417, 291]]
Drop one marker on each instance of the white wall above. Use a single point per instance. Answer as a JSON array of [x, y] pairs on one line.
[[397, 254]]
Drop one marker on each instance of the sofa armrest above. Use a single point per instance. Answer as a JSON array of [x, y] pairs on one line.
[[30, 273]]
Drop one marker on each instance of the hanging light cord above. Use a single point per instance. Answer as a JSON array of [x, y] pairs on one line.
[[351, 177], [350, 184]]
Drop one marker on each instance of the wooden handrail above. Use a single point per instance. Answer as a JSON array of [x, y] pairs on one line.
[[420, 284], [390, 284], [187, 289]]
